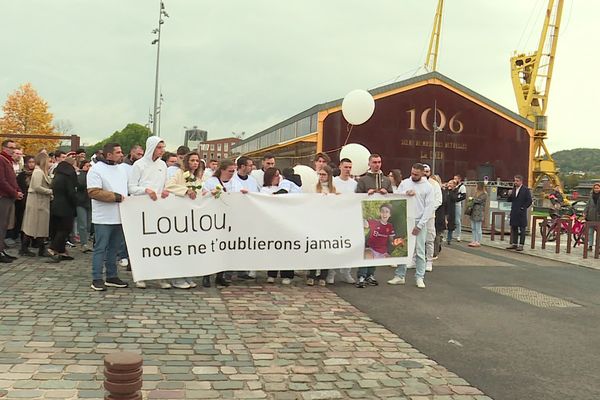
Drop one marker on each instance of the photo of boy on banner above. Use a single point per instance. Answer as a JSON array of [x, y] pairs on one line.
[[384, 223]]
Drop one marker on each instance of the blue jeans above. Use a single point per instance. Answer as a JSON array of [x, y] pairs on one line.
[[458, 219], [84, 223], [108, 239], [591, 236], [477, 232], [420, 260], [364, 272]]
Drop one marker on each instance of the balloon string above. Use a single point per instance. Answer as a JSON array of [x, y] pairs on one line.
[[349, 129]]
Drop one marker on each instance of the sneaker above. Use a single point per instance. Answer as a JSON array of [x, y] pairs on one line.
[[310, 282], [26, 253], [4, 259], [270, 279], [244, 276], [472, 244], [180, 284], [322, 282], [140, 285], [371, 281], [221, 282], [116, 282], [347, 278], [361, 282], [512, 247], [420, 283], [9, 242], [123, 262], [86, 249], [206, 281], [191, 283], [286, 281], [429, 266], [435, 258], [164, 284], [98, 285], [5, 254], [330, 277], [396, 280], [69, 244], [458, 239], [519, 248], [252, 274]]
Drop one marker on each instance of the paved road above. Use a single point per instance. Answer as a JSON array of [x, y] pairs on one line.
[[507, 348], [249, 341]]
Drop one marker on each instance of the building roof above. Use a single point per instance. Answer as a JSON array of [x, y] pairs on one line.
[[388, 88]]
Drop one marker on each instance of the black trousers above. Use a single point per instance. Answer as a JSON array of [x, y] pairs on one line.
[[517, 233], [322, 274], [283, 274], [62, 229]]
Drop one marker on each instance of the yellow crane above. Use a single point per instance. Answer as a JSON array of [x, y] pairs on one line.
[[434, 40], [531, 76]]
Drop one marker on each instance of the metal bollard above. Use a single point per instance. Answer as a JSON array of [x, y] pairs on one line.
[[123, 376]]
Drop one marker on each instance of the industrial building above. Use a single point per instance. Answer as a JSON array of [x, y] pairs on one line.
[[475, 136]]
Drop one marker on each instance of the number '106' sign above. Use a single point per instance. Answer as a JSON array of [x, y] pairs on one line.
[[454, 124]]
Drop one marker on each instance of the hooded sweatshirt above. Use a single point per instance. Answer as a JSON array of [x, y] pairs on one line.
[[424, 196], [147, 173]]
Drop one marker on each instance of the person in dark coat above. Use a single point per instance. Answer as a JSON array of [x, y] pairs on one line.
[[84, 207], [521, 200], [23, 180], [63, 208], [440, 218]]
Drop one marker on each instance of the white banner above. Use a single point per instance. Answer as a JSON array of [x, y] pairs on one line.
[[180, 237]]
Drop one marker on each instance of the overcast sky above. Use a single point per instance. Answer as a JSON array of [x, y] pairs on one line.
[[241, 65]]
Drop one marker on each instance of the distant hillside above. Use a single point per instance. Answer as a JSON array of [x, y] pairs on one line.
[[586, 160]]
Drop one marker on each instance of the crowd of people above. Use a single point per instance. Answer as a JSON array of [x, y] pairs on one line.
[[55, 201]]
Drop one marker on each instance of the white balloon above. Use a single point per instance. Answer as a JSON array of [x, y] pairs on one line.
[[358, 106], [359, 155], [309, 178]]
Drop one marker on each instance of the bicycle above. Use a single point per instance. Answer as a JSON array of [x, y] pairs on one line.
[[577, 225]]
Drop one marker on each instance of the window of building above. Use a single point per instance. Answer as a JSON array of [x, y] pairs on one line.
[[218, 146], [204, 156], [218, 156], [212, 147], [226, 146], [225, 155]]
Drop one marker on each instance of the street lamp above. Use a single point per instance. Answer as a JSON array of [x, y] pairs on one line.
[[156, 31], [436, 129]]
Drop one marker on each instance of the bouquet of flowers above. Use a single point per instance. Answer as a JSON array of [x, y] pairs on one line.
[[216, 192], [469, 206], [191, 181]]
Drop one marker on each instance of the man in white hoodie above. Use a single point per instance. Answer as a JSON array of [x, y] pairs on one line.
[[417, 186], [148, 177]]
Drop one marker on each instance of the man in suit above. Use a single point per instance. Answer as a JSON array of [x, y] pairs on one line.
[[521, 200]]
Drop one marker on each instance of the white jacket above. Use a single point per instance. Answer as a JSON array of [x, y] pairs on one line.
[[146, 173]]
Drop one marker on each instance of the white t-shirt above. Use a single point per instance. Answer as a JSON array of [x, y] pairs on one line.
[[344, 186], [289, 186], [213, 181], [113, 179], [259, 175], [269, 189], [207, 174], [249, 184]]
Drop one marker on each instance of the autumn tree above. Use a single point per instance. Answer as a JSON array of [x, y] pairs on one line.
[[25, 112]]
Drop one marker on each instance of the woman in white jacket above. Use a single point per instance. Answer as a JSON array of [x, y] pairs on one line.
[[187, 181]]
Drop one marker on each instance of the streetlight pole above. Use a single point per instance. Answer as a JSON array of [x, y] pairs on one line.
[[436, 129], [156, 31]]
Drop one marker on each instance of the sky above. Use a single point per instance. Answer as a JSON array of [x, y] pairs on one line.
[[241, 66]]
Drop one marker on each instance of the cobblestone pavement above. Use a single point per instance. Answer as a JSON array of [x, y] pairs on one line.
[[249, 341]]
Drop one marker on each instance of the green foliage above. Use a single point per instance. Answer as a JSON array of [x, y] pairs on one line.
[[370, 210], [585, 160], [130, 135]]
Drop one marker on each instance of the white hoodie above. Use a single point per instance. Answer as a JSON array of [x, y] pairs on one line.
[[146, 173]]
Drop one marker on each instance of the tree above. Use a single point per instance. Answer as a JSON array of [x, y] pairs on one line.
[[130, 135], [25, 112]]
